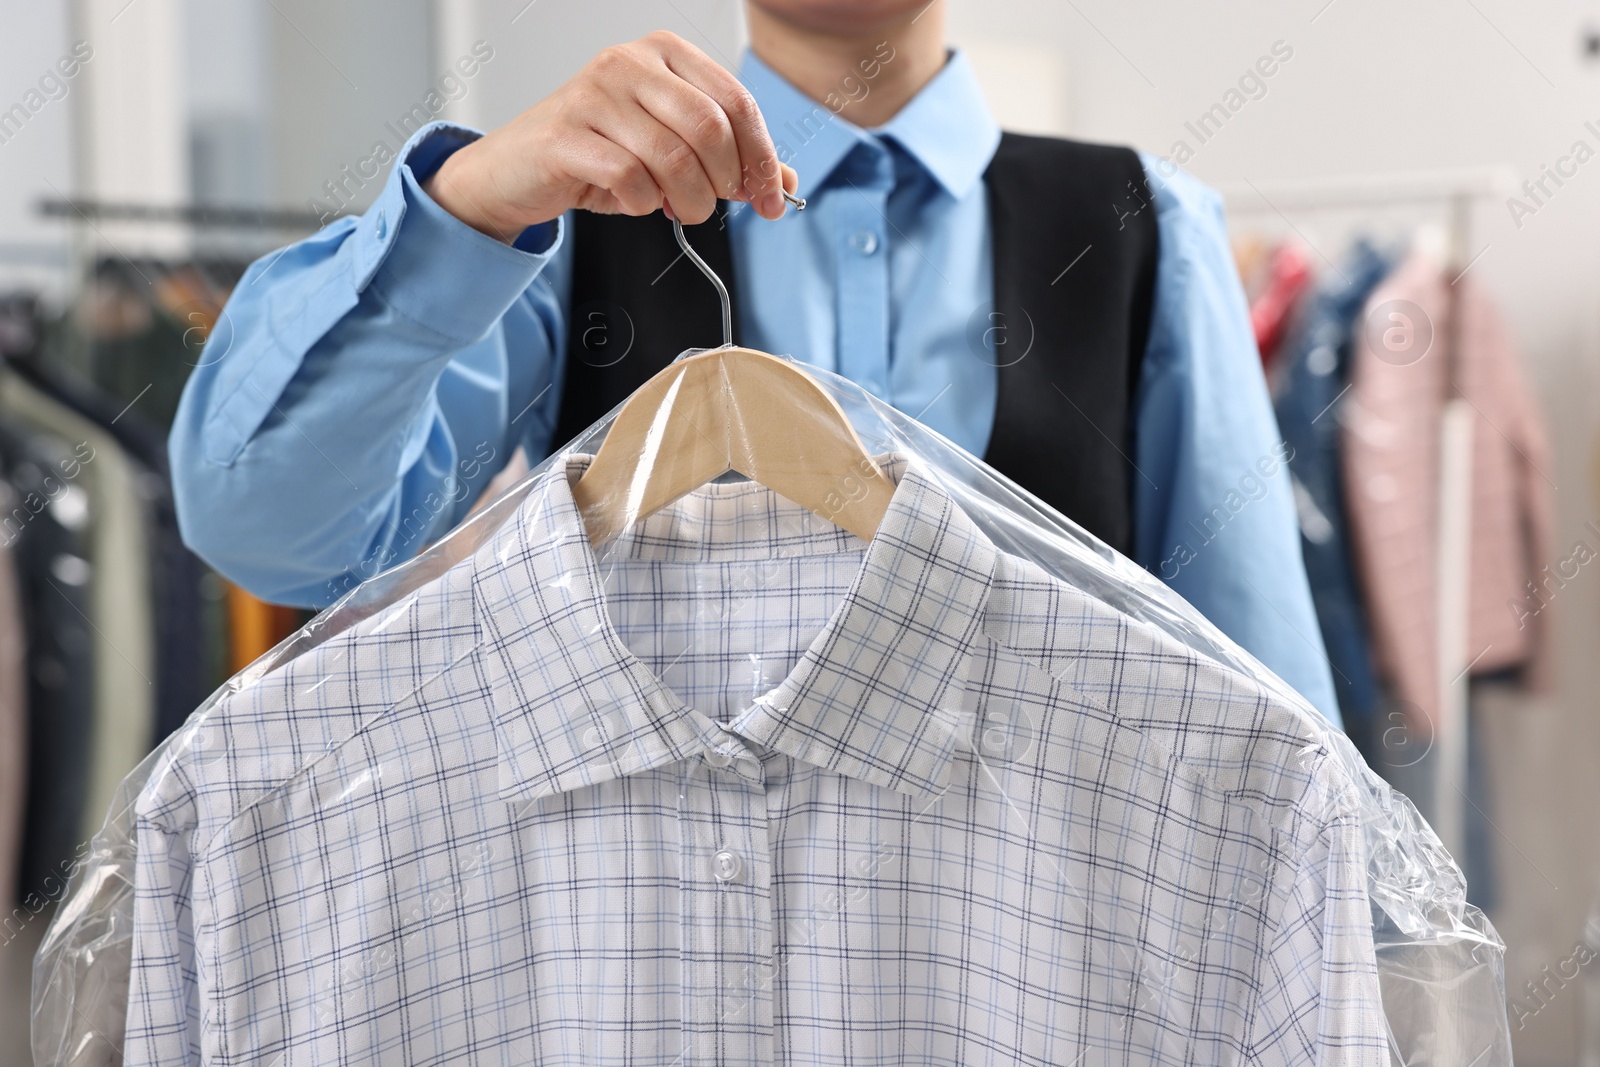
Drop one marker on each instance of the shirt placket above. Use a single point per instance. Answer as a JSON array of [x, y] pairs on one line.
[[726, 909], [862, 257]]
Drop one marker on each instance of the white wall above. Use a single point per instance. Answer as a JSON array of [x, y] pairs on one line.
[[33, 250], [540, 45], [337, 81], [133, 135], [228, 92]]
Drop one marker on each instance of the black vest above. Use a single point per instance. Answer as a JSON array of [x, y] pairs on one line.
[[1074, 280]]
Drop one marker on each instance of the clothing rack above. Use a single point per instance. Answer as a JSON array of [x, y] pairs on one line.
[[1458, 191], [215, 240]]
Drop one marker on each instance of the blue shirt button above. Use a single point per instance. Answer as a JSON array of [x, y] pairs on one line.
[[383, 226], [864, 241]]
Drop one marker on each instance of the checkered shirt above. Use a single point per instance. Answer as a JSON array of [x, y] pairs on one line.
[[747, 790]]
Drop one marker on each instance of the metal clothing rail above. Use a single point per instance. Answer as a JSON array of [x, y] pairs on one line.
[[201, 215], [1369, 190], [1458, 191]]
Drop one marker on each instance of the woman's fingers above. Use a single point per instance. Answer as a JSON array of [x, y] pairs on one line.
[[760, 171]]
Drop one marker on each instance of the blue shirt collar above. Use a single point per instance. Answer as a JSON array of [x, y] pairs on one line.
[[946, 128]]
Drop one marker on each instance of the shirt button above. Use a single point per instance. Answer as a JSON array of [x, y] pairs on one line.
[[718, 759], [726, 866], [383, 226], [864, 241]]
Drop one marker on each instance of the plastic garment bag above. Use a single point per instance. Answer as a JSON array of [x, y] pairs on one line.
[[1439, 961]]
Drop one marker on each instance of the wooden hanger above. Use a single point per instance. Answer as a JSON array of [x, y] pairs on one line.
[[731, 409]]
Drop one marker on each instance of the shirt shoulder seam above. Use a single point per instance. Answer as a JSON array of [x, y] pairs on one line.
[[203, 850]]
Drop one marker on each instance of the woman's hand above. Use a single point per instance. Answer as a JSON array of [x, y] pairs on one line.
[[651, 124]]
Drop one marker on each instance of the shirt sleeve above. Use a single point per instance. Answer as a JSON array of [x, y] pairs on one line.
[[1320, 1003], [1213, 505], [363, 385], [163, 1019]]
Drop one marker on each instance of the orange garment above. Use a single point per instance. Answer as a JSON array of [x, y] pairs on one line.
[[254, 626], [1400, 374], [1249, 258]]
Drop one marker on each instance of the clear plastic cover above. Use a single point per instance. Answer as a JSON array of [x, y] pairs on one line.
[[1439, 962]]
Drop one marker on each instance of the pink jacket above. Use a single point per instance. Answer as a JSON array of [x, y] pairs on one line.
[[1391, 425]]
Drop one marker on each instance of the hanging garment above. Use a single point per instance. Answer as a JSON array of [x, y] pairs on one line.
[[743, 788], [254, 626], [1288, 276], [48, 529], [1399, 377], [13, 726], [1250, 252], [144, 326], [185, 668], [1315, 374], [545, 823], [120, 606]]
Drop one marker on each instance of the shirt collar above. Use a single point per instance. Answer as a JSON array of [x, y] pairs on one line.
[[877, 696], [946, 128]]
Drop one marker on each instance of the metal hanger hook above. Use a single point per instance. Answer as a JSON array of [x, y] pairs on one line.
[[705, 268]]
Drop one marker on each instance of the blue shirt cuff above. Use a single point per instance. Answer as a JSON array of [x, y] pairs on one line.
[[430, 266]]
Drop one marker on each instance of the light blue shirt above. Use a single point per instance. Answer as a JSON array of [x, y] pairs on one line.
[[367, 382], [897, 222]]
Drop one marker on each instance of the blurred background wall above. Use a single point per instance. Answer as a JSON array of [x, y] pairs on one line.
[[272, 103]]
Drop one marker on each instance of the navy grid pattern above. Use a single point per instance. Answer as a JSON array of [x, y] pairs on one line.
[[743, 789]]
